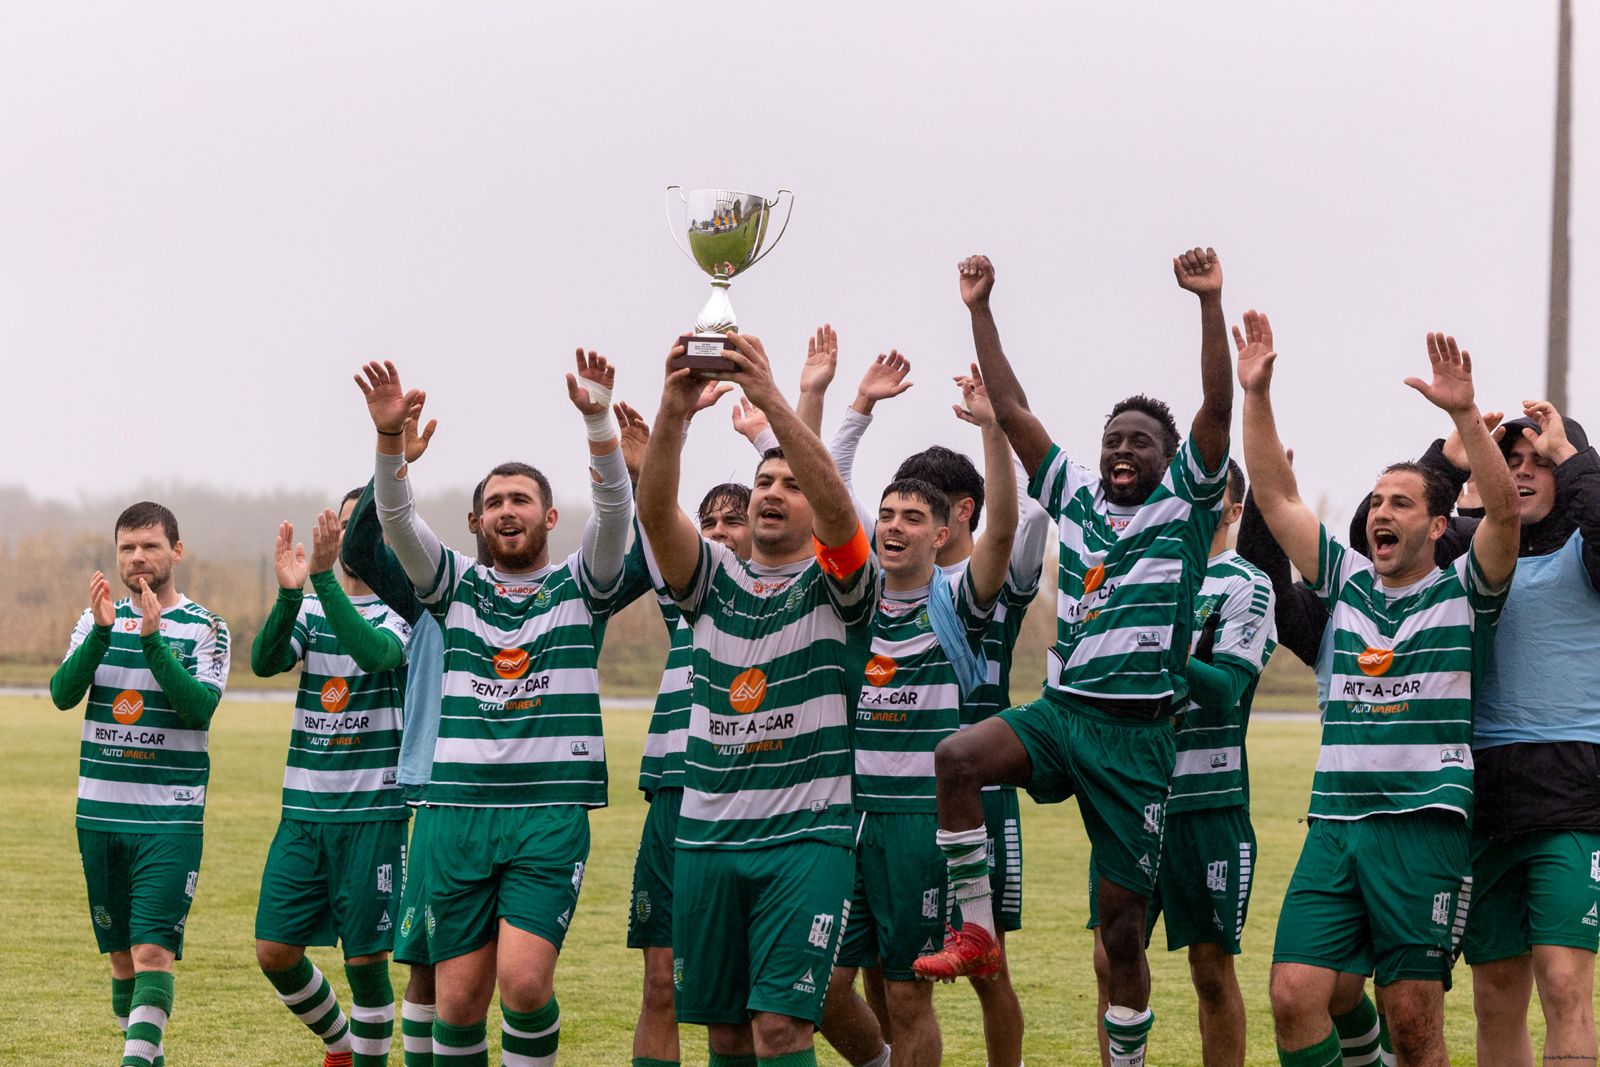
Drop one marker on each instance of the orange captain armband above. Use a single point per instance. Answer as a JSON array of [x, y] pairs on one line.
[[848, 558]]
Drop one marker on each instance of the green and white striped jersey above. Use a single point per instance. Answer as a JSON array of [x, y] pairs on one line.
[[668, 736], [519, 722], [1397, 733], [911, 699], [1234, 605], [778, 655], [345, 747], [1125, 602], [141, 770]]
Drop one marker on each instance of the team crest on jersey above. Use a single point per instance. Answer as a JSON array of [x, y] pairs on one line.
[[511, 662], [923, 622], [748, 690], [792, 601], [641, 906], [880, 670], [1375, 661], [102, 917], [407, 922], [127, 707], [335, 695], [821, 930], [677, 973], [1217, 876]]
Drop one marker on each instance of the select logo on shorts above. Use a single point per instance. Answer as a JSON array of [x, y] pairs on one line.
[[1093, 577], [335, 695], [127, 707], [511, 662], [880, 670], [748, 691], [1375, 661]]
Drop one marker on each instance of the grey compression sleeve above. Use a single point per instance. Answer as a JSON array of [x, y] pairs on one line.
[[605, 535], [413, 544]]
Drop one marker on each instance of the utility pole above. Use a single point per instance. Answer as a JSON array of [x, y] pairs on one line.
[[1560, 284]]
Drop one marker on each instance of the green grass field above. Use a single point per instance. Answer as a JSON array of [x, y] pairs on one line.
[[226, 1013]]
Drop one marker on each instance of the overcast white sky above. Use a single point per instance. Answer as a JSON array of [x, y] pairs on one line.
[[211, 213]]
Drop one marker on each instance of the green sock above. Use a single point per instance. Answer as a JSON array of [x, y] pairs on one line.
[[1358, 1034], [716, 1060], [1128, 1035], [647, 1061], [806, 1057], [306, 992], [529, 1038], [121, 1001], [371, 1013], [1325, 1053], [460, 1046], [147, 1018], [416, 1033]]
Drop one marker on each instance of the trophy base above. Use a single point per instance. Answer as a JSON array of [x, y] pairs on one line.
[[703, 352]]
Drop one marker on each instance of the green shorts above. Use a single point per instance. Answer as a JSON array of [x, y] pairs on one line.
[[1002, 818], [1386, 895], [411, 935], [523, 865], [1119, 769], [1535, 889], [1203, 892], [140, 887], [650, 907], [757, 930], [329, 883], [897, 911]]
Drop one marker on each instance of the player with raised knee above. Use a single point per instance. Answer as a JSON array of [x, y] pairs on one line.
[[1133, 542], [764, 864], [153, 665], [330, 875], [520, 755], [1384, 878]]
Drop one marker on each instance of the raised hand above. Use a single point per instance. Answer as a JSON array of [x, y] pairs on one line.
[[1456, 453], [822, 361], [749, 420], [1451, 388], [1256, 354], [416, 444], [635, 436], [681, 391], [974, 407], [325, 539], [885, 377], [150, 606], [101, 606], [713, 392], [754, 375], [387, 402], [289, 559], [1199, 271], [977, 280], [1551, 441], [590, 389]]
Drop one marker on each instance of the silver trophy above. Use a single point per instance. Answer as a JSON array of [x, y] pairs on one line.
[[727, 233]]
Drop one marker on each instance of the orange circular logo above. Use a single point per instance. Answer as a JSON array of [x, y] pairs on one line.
[[1093, 577], [748, 691], [335, 695], [880, 670], [511, 662], [1375, 661], [127, 707]]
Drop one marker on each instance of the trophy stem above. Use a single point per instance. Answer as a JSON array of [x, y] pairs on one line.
[[717, 315]]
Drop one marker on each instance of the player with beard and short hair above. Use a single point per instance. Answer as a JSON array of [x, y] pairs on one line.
[[331, 870], [764, 863], [1133, 542], [520, 756], [1384, 878], [153, 666]]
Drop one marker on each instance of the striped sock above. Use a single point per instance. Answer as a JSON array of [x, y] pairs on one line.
[[806, 1057], [1128, 1031], [305, 991], [1325, 1053], [1358, 1034], [966, 855], [416, 1033], [529, 1038], [1385, 1046], [371, 1013], [121, 1001], [460, 1046], [147, 1018]]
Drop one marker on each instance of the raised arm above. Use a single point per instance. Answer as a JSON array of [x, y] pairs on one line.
[[91, 640], [1294, 526], [834, 519], [374, 648], [673, 536], [272, 652], [605, 535], [389, 405], [193, 700], [1200, 272], [1577, 477], [1498, 535], [991, 554], [822, 361], [1022, 428]]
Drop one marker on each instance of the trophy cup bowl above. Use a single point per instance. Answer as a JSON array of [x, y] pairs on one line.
[[727, 233]]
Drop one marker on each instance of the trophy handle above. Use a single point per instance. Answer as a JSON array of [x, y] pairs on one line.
[[774, 243], [675, 229]]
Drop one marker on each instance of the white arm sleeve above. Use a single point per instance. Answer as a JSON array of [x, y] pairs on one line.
[[843, 450], [413, 544], [605, 535], [1033, 534]]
